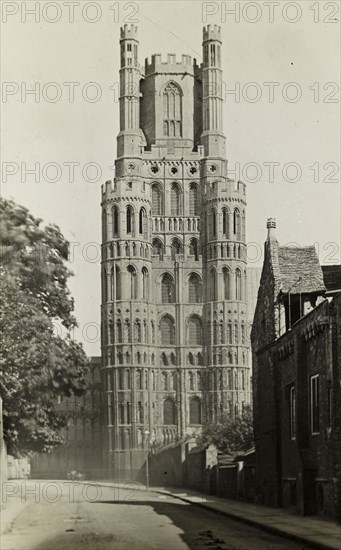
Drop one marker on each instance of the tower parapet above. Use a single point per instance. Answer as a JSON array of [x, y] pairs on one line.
[[212, 32], [129, 32]]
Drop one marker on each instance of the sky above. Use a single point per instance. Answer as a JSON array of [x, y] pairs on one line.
[[281, 62]]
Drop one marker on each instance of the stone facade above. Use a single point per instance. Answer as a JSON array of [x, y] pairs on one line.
[[296, 339], [174, 306]]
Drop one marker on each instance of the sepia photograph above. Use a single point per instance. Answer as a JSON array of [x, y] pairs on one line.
[[170, 275]]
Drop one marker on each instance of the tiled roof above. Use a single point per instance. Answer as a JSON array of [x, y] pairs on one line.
[[332, 276], [300, 262]]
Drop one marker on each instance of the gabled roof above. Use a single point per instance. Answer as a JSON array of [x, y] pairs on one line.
[[332, 276], [300, 262]]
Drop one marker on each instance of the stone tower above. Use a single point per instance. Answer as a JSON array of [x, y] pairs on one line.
[[174, 312]]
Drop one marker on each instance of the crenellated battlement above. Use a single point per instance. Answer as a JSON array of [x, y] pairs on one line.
[[212, 32], [129, 32], [170, 64]]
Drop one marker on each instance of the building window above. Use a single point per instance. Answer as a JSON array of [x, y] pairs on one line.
[[176, 248], [130, 218], [194, 249], [226, 223], [167, 289], [133, 282], [194, 331], [158, 248], [194, 289], [193, 199], [142, 222], [114, 219], [171, 111], [315, 404], [213, 224], [195, 411], [118, 283], [226, 277], [104, 226], [238, 284], [145, 283], [167, 331], [156, 200], [175, 200], [169, 412], [292, 412], [237, 224], [213, 291]]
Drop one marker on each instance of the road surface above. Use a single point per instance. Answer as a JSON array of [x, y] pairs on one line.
[[58, 515]]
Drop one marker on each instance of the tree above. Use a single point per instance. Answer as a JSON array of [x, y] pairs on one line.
[[36, 364], [230, 435]]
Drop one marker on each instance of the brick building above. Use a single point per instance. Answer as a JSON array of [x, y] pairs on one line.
[[296, 350], [174, 284]]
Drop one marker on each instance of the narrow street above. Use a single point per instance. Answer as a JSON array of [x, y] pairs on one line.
[[102, 518]]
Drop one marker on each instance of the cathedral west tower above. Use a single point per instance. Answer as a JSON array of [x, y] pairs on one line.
[[174, 312]]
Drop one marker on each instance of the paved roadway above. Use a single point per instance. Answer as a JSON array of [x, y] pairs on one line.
[[60, 515]]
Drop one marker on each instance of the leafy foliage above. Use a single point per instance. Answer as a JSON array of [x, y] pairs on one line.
[[230, 435], [36, 365]]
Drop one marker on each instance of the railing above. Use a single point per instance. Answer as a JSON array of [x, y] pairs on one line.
[[176, 224]]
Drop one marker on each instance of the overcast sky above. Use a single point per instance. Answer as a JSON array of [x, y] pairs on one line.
[[298, 127]]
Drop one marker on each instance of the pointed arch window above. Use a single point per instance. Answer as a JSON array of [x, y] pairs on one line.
[[132, 283], [227, 283], [194, 249], [195, 411], [237, 224], [238, 284], [167, 289], [194, 289], [193, 199], [172, 118], [129, 220], [175, 200], [176, 248], [145, 283], [142, 222], [226, 223], [169, 412], [167, 331], [114, 220], [194, 331], [158, 248], [156, 200], [213, 290]]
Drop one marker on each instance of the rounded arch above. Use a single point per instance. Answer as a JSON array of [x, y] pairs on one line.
[[237, 224], [238, 284], [143, 222], [194, 330], [194, 288], [167, 289], [145, 283], [167, 330], [195, 411]]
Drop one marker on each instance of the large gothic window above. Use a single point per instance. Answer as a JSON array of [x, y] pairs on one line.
[[195, 411], [194, 331], [167, 331], [156, 200], [175, 200], [194, 289], [168, 411], [172, 111], [193, 199], [167, 289]]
